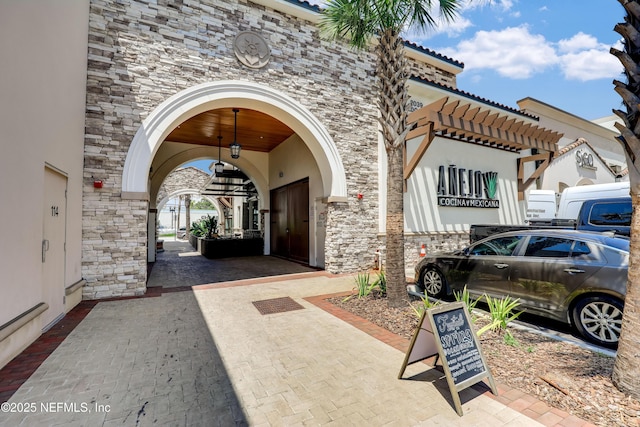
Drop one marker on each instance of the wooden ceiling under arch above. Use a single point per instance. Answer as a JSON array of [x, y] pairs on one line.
[[256, 131]]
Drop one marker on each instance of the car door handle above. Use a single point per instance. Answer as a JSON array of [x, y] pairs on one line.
[[573, 270], [501, 266], [447, 262]]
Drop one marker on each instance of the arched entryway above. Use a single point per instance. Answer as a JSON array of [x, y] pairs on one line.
[[148, 162], [230, 94]]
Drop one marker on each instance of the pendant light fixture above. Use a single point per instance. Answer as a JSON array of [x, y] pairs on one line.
[[219, 167], [235, 147]]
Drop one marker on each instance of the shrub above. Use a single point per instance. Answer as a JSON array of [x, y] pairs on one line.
[[469, 302], [197, 229], [207, 227], [381, 282], [426, 305], [363, 286], [501, 312]]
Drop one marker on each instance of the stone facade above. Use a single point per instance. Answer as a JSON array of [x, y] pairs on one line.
[[141, 53], [434, 242], [180, 179]]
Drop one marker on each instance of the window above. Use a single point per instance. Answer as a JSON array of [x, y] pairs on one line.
[[500, 246], [616, 214], [580, 249], [549, 247]]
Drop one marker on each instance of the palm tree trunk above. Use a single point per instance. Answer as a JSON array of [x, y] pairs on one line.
[[392, 100], [626, 370], [395, 266]]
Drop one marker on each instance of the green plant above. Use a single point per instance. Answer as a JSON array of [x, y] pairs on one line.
[[207, 226], [363, 286], [381, 282], [510, 340], [469, 302], [426, 304], [211, 225], [501, 312], [197, 229]]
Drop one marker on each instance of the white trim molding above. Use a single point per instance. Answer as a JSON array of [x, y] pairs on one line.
[[227, 94]]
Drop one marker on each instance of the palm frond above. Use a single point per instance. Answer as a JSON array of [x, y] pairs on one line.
[[350, 20]]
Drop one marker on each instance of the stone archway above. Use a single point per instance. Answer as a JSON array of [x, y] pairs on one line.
[[225, 94], [180, 181]]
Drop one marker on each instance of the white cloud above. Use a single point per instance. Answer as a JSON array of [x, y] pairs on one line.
[[503, 5], [584, 58], [578, 42], [460, 23], [516, 53], [590, 64], [513, 52], [451, 29]]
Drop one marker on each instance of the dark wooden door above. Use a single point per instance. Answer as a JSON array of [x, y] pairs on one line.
[[290, 221], [279, 234]]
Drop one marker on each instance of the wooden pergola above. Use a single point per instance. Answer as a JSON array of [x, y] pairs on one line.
[[483, 126]]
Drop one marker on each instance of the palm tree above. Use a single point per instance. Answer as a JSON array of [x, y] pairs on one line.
[[361, 22], [626, 371]]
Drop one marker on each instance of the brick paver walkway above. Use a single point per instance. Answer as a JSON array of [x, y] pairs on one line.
[[206, 356]]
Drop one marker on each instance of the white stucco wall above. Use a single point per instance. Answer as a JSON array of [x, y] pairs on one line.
[[43, 46], [293, 160], [422, 213], [600, 136], [565, 169]]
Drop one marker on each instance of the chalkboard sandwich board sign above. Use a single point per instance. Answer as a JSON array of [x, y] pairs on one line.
[[448, 335]]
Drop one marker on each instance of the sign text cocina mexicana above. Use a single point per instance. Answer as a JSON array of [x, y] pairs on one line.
[[459, 187]]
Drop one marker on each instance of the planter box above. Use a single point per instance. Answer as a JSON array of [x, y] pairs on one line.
[[224, 248], [193, 240]]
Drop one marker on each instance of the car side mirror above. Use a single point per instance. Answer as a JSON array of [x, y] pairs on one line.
[[466, 252]]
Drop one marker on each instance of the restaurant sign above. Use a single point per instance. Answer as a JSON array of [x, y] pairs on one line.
[[462, 188]]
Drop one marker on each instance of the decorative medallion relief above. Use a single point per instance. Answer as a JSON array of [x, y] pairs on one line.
[[251, 49]]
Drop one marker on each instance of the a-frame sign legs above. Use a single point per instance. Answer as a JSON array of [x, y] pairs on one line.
[[449, 335]]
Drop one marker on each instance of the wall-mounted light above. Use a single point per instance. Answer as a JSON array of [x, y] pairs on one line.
[[235, 147], [97, 183]]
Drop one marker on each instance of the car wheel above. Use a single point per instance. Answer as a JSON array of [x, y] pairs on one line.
[[599, 319], [432, 282]]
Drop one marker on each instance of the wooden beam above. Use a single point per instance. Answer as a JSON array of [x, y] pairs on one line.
[[417, 156], [463, 121], [471, 113], [450, 108], [461, 111], [522, 184]]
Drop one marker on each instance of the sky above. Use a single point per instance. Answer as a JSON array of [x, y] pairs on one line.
[[556, 51]]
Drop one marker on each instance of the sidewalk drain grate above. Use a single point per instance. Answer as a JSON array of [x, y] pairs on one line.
[[277, 305]]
